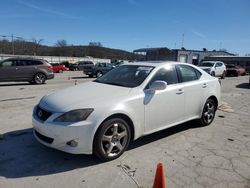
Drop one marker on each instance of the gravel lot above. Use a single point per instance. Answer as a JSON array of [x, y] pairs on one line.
[[214, 156]]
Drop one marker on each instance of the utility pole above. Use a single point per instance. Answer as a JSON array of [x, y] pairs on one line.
[[182, 41], [220, 45], [13, 48]]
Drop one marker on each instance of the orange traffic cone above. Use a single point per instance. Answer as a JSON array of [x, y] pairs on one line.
[[159, 181], [69, 78], [76, 82]]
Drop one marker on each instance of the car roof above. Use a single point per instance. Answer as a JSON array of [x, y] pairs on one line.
[[155, 63], [23, 58]]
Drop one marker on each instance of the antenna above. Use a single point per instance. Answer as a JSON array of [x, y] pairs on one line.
[[182, 41]]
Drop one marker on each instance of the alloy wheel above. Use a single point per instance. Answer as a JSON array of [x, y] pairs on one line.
[[208, 112], [99, 74], [39, 78], [114, 139]]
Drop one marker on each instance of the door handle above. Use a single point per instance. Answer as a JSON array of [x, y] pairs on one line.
[[180, 91], [204, 85], [16, 68]]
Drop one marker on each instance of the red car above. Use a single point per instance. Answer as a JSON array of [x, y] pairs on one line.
[[56, 67], [235, 70]]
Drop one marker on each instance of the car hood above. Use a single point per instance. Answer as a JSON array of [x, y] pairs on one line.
[[86, 95], [232, 69]]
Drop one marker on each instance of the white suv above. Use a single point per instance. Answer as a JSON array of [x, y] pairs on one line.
[[215, 68]]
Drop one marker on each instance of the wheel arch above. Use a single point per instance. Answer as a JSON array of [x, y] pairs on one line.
[[121, 116], [214, 98], [39, 72]]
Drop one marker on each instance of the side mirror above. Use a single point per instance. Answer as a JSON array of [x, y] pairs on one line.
[[158, 85]]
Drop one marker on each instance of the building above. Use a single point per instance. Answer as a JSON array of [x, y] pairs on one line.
[[182, 55]]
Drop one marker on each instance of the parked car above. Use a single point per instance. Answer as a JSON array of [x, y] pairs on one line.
[[116, 64], [83, 64], [98, 69], [73, 66], [235, 70], [215, 68], [130, 101], [58, 68], [25, 69]]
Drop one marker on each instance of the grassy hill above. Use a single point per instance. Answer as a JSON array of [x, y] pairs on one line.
[[31, 48]]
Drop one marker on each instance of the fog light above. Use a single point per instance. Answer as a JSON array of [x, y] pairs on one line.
[[72, 143]]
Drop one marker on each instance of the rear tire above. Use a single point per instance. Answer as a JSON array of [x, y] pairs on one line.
[[39, 78], [208, 113], [112, 139], [91, 75]]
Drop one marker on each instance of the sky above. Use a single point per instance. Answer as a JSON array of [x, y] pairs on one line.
[[131, 24]]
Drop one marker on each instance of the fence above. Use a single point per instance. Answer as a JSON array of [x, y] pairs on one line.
[[57, 59]]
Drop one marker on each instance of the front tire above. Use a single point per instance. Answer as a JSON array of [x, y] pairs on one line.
[[111, 139], [208, 113], [39, 78], [223, 75], [213, 73]]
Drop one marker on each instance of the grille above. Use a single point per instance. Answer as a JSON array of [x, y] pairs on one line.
[[44, 138], [42, 114]]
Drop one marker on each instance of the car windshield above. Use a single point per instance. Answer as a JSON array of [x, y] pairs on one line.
[[126, 75], [206, 64]]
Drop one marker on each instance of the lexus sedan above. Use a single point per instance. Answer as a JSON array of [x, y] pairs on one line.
[[103, 116]]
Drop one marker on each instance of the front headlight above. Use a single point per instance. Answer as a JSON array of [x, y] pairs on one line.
[[75, 115]]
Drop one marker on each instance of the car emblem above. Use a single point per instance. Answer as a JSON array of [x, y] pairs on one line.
[[40, 113]]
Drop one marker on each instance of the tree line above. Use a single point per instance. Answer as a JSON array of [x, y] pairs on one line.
[[61, 48]]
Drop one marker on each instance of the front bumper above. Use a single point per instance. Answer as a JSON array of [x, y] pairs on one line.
[[50, 75], [58, 136]]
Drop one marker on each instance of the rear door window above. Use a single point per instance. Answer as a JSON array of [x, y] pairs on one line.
[[29, 62], [187, 73]]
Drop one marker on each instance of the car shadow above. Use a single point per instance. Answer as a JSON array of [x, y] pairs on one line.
[[243, 86], [163, 134], [81, 77], [14, 84], [23, 156]]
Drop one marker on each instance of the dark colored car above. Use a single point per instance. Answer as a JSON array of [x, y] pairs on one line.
[[25, 69], [235, 70], [58, 68], [73, 66], [83, 64], [98, 69], [69, 66]]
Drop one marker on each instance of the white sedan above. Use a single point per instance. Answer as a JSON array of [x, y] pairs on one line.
[[131, 101]]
